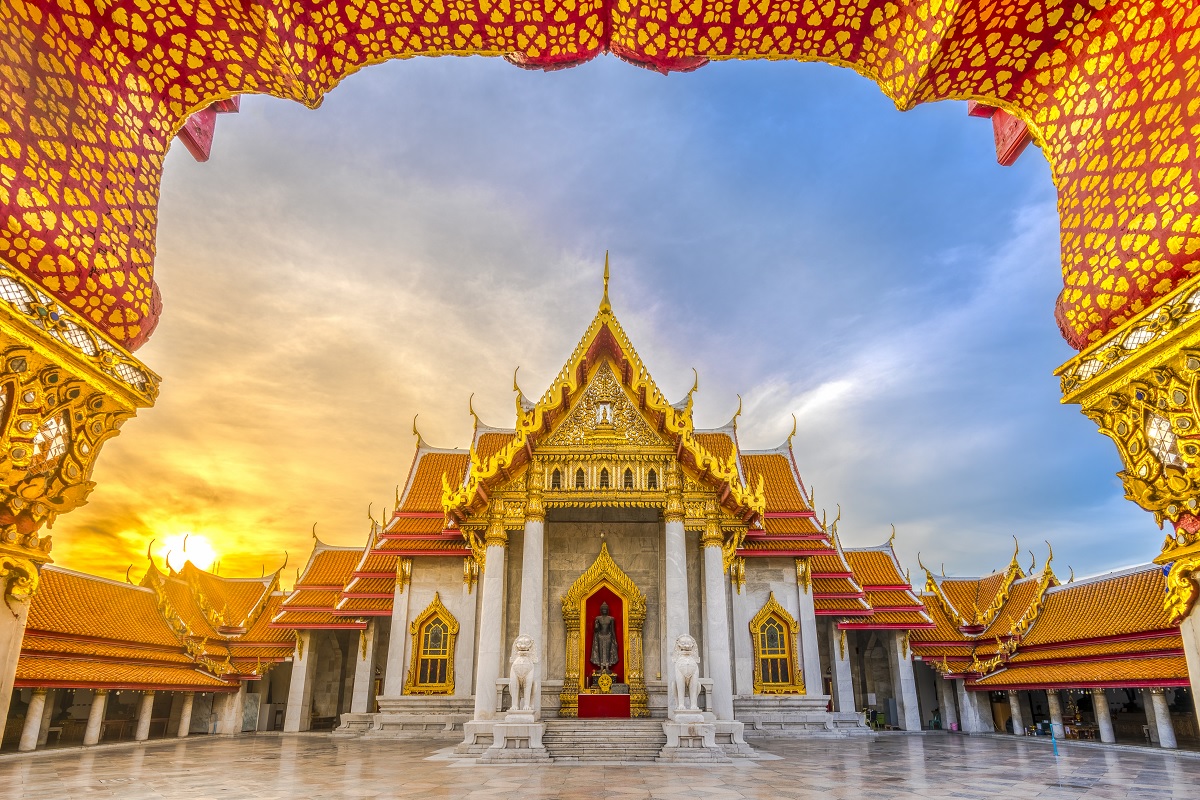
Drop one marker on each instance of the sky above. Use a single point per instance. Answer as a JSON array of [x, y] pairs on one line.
[[437, 223]]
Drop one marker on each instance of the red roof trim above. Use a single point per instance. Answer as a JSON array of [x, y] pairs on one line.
[[373, 575], [885, 626], [816, 575], [746, 553], [368, 595], [382, 612], [843, 596], [904, 587], [464, 551], [1128, 656], [789, 514], [835, 613], [1163, 683], [339, 626], [318, 587], [1127, 637]]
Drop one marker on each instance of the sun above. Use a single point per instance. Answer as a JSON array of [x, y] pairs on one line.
[[180, 548]]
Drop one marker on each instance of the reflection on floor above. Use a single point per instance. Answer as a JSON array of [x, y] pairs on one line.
[[316, 765]]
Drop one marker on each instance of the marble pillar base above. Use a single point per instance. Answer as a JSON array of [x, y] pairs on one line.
[[516, 742], [730, 736], [353, 724], [796, 716], [420, 717], [477, 737], [691, 741]]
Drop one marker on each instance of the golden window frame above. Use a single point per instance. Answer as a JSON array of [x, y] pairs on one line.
[[415, 630], [773, 610]]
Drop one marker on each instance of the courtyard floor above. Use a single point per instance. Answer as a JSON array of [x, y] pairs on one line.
[[319, 766]]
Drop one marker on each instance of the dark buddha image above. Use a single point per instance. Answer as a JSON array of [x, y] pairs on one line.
[[604, 641]]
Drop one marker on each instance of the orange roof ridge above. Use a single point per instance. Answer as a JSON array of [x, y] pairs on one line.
[[76, 573], [1120, 572]]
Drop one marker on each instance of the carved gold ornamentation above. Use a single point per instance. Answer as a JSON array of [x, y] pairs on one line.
[[674, 512], [470, 573], [775, 636], [496, 536], [404, 567], [534, 508], [65, 389], [737, 573], [804, 574], [1141, 386], [19, 577], [712, 536], [1183, 580], [605, 572], [431, 668], [605, 401]]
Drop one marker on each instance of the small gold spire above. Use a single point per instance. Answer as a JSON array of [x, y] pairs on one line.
[[417, 433], [892, 539], [605, 306], [790, 435]]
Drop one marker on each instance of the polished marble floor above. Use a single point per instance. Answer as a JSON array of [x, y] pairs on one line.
[[318, 766]]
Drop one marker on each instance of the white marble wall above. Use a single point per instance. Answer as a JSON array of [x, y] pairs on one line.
[[444, 577], [763, 576]]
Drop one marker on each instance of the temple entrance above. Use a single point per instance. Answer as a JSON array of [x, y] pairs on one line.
[[604, 614]]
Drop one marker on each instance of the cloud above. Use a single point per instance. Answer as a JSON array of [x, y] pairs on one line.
[[330, 274]]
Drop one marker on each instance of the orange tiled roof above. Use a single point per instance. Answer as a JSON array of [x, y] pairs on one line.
[[914, 619], [719, 444], [845, 605], [944, 629], [362, 605], [416, 526], [371, 586], [875, 566], [424, 490], [488, 445], [1152, 671], [1169, 642], [83, 605], [1112, 605], [237, 599], [1023, 595], [451, 547], [38, 645], [330, 566], [783, 526], [779, 481], [894, 599], [61, 672]]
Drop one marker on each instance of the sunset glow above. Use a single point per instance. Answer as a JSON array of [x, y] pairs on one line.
[[183, 547]]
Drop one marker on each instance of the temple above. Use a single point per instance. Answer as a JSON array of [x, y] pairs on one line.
[[557, 588]]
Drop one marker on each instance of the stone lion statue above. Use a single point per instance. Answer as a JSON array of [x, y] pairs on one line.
[[685, 661], [522, 673]]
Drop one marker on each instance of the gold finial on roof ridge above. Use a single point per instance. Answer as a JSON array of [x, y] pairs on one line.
[[471, 411], [127, 571], [417, 433], [891, 539], [790, 435], [1032, 562], [605, 306], [737, 413], [1072, 578]]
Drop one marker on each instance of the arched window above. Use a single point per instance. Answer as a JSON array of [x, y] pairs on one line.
[[773, 632], [579, 478], [433, 635], [556, 479], [628, 483], [652, 480], [604, 478]]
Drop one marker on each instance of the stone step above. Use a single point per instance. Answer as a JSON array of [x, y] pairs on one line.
[[603, 740]]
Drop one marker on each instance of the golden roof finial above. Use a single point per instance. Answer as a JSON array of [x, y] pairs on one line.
[[1049, 556], [792, 434], [417, 433], [148, 556], [737, 413], [127, 571], [891, 539], [315, 539], [471, 411], [1032, 561], [695, 381], [605, 306], [285, 560], [1016, 552], [944, 575], [1072, 578]]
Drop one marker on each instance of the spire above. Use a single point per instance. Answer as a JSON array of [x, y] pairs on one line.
[[605, 306]]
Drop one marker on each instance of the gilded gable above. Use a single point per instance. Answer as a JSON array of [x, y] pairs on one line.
[[604, 416]]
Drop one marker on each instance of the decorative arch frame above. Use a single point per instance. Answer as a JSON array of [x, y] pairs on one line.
[[416, 630], [770, 611], [604, 571]]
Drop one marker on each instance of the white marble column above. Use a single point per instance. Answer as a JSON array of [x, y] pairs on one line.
[[716, 607], [95, 720], [946, 698], [1054, 700], [47, 717], [397, 665], [675, 582], [1162, 717], [229, 720], [533, 565], [974, 709], [810, 653], [298, 716], [12, 631], [33, 720], [145, 711], [364, 671], [904, 683], [1190, 630], [185, 715], [840, 660], [1014, 708], [491, 621], [743, 656], [1103, 716]]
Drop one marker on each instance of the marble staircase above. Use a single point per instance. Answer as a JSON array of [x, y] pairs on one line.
[[584, 741]]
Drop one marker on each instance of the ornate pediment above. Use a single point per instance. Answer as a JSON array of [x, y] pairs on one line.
[[604, 417]]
